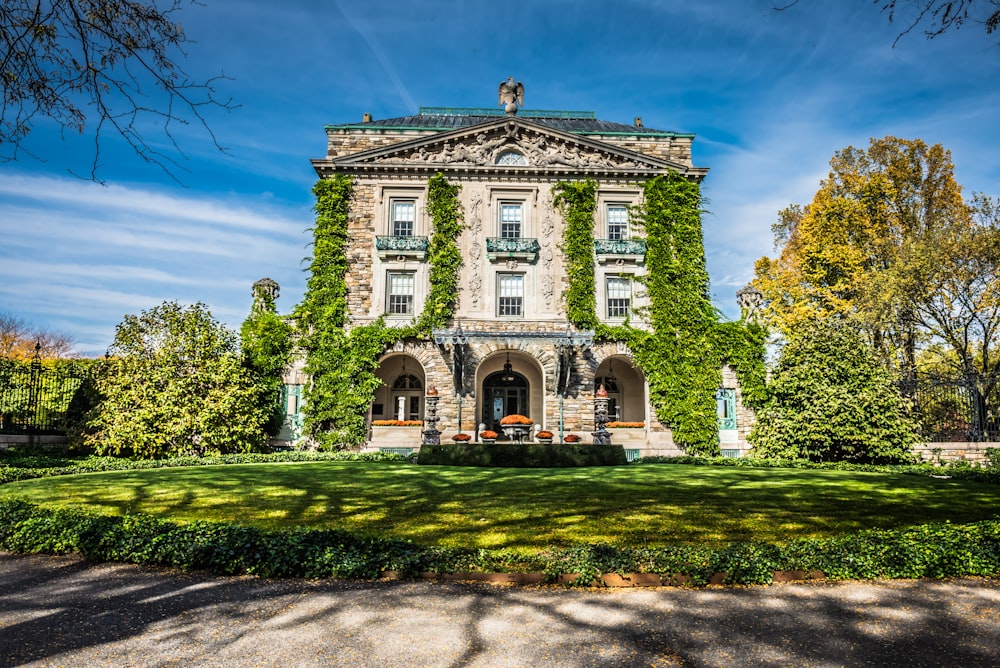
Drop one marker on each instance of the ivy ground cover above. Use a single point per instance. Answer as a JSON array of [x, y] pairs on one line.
[[640, 505]]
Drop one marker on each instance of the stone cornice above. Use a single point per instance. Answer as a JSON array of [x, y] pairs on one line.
[[471, 152]]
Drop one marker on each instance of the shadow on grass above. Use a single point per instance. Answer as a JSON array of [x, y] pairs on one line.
[[529, 508]]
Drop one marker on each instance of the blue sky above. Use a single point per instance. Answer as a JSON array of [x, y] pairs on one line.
[[770, 96]]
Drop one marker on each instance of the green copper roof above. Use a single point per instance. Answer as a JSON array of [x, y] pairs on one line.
[[489, 111]]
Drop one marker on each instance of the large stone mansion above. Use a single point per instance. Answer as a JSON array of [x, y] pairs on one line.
[[508, 348]]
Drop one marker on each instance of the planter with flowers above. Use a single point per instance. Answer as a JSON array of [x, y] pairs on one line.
[[517, 427], [461, 438], [571, 438], [488, 436], [544, 436]]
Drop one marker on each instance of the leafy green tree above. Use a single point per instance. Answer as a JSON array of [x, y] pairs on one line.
[[829, 399], [847, 255], [175, 384], [266, 340]]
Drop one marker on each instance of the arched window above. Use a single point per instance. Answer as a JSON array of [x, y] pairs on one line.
[[407, 382], [511, 158]]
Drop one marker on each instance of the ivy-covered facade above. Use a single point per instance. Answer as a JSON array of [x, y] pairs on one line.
[[516, 261]]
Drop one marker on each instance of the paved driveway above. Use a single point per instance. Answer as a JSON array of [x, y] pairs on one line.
[[65, 612]]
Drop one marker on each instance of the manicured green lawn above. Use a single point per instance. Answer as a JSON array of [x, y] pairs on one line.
[[528, 508]]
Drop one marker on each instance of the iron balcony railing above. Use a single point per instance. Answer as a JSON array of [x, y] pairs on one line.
[[512, 247], [401, 244], [620, 246]]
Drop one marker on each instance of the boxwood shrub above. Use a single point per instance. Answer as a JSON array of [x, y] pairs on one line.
[[932, 550], [522, 455]]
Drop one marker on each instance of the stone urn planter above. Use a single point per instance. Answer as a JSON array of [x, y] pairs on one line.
[[488, 436], [517, 427], [517, 432], [544, 436]]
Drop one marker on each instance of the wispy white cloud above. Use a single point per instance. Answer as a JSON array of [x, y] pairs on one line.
[[364, 29], [81, 253]]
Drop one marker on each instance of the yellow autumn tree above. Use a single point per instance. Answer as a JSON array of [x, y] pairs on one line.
[[843, 256]]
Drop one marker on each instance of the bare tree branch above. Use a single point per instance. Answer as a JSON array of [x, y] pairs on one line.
[[107, 66], [935, 17]]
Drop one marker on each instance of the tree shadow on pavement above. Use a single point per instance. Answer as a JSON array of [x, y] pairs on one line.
[[61, 610]]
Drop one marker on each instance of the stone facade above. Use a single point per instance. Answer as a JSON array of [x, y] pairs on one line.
[[517, 353]]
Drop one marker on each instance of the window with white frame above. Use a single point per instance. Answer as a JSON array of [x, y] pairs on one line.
[[399, 293], [511, 219], [510, 295], [619, 296], [403, 214], [617, 222]]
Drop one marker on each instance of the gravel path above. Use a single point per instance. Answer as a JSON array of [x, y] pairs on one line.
[[61, 611]]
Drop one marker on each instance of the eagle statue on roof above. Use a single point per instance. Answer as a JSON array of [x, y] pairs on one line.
[[511, 95]]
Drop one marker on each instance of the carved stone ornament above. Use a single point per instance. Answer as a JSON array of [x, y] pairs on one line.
[[511, 149], [510, 95], [751, 301], [265, 292]]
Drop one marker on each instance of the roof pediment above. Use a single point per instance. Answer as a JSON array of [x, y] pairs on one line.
[[510, 145]]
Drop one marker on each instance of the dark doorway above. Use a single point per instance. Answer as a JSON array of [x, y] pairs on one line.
[[504, 393]]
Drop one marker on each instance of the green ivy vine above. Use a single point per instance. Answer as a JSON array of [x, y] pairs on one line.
[[443, 254], [683, 352], [343, 363], [577, 202]]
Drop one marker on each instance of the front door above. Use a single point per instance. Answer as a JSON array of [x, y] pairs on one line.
[[504, 394]]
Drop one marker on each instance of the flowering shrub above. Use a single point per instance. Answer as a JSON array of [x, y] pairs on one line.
[[616, 424], [516, 419], [488, 433], [545, 434], [461, 438], [571, 438], [397, 423]]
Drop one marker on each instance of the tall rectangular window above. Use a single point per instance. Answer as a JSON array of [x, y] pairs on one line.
[[619, 296], [510, 294], [399, 293], [617, 222], [510, 220], [403, 217]]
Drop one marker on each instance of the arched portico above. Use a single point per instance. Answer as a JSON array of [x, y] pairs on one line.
[[508, 382], [626, 387], [401, 395]]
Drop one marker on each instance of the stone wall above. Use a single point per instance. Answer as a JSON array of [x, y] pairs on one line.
[[974, 453]]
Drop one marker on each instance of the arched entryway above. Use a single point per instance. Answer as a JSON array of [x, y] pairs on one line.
[[401, 396], [505, 393], [626, 389], [508, 382]]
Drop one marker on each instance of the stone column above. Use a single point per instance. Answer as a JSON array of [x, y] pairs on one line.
[[431, 434], [601, 435]]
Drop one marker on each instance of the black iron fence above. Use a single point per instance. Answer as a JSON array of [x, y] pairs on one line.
[[42, 398], [955, 408]]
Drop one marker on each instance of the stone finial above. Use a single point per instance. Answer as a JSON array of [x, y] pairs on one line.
[[265, 292], [510, 96], [750, 300]]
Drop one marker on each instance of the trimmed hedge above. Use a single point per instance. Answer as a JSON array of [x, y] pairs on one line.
[[522, 455], [957, 470], [932, 550]]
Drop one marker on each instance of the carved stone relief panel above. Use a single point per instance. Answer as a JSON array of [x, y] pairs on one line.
[[547, 252], [512, 146], [476, 249]]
